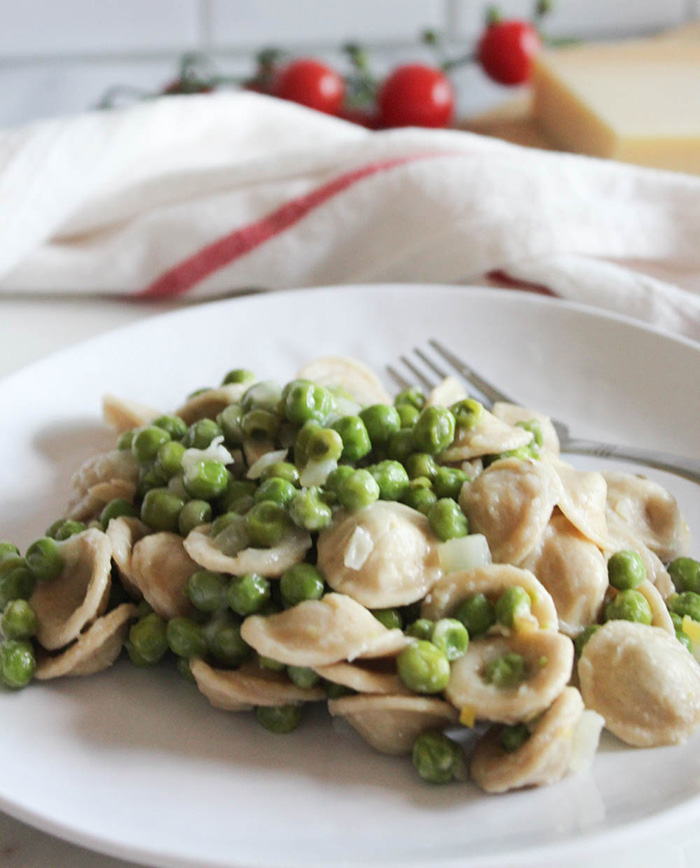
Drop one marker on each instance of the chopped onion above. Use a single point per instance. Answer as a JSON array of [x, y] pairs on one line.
[[256, 470], [316, 472], [215, 451], [345, 406], [464, 553], [359, 548], [585, 740]]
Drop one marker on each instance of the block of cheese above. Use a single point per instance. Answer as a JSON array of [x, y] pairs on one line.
[[636, 101]]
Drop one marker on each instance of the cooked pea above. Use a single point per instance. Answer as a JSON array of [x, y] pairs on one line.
[[335, 477], [685, 573], [277, 490], [264, 395], [391, 618], [124, 441], [228, 520], [19, 620], [514, 603], [269, 663], [17, 663], [308, 511], [303, 676], [437, 758], [146, 443], [117, 508], [267, 523], [200, 434], [229, 420], [507, 671], [279, 719], [422, 628], [422, 464], [337, 691], [434, 430], [307, 402], [358, 490], [392, 479], [514, 737], [411, 396], [447, 520], [381, 421], [225, 642], [206, 479], [148, 639], [238, 496], [247, 594], [583, 637], [408, 414], [282, 469], [467, 413], [401, 445], [207, 590], [684, 639], [626, 570], [151, 476], [44, 560], [193, 514], [301, 582], [448, 482], [451, 637], [356, 442], [169, 458], [260, 425], [324, 445], [629, 606], [238, 375], [423, 667], [66, 528], [160, 509], [420, 499], [687, 603], [174, 425], [186, 638], [301, 442], [534, 427], [8, 551]]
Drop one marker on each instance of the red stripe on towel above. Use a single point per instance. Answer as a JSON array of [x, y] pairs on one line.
[[191, 271]]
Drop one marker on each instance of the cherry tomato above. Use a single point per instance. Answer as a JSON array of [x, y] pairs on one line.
[[362, 117], [507, 51], [416, 95], [311, 83]]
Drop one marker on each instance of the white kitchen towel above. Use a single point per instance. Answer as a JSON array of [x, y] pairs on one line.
[[198, 196]]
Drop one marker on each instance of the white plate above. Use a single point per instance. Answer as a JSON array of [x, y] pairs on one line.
[[136, 763]]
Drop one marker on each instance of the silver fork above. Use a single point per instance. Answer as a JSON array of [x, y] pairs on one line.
[[488, 394]]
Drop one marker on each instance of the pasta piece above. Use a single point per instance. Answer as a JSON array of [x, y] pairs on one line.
[[160, 569], [582, 500], [489, 436], [359, 381], [123, 414], [123, 533], [363, 679], [271, 563], [659, 613], [208, 404], [511, 414], [446, 393], [87, 495]]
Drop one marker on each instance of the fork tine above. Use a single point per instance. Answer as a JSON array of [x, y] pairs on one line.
[[469, 374], [400, 380], [417, 373]]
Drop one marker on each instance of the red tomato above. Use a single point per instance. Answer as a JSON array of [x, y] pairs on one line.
[[311, 83], [507, 51], [416, 95], [362, 117]]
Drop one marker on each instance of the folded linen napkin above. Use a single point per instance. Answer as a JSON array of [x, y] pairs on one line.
[[203, 195]]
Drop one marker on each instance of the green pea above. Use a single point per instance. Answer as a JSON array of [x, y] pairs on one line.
[[207, 590], [421, 464], [19, 620], [193, 514], [169, 458], [687, 603], [534, 427], [248, 594], [282, 470], [308, 511], [225, 642], [401, 445], [65, 529], [514, 737], [447, 520], [146, 443], [685, 640], [238, 375], [629, 606], [392, 479], [44, 560], [434, 430], [124, 441], [279, 719], [260, 425], [307, 402], [267, 523], [356, 442], [324, 445], [467, 413], [17, 663], [206, 479], [358, 490], [583, 637], [448, 482], [422, 628], [301, 441], [451, 637], [407, 414], [626, 570], [337, 691], [514, 603], [174, 425], [8, 550], [229, 420], [677, 620], [507, 671], [272, 665], [238, 496], [390, 618], [381, 422], [423, 668], [301, 582], [336, 477], [229, 520], [16, 584], [277, 490], [411, 396], [201, 433], [437, 758], [148, 639], [420, 499], [160, 509], [685, 573], [116, 509], [303, 676], [186, 638]]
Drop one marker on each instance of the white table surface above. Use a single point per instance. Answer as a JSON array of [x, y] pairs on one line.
[[33, 327]]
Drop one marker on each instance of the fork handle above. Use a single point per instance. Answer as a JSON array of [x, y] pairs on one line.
[[688, 468]]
